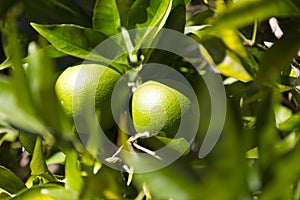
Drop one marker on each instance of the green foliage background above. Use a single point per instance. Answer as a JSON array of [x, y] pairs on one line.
[[257, 156]]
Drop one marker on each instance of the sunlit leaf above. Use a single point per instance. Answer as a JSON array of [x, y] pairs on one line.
[[106, 18], [244, 13], [73, 40], [291, 124], [46, 192], [37, 164], [57, 158], [148, 13], [73, 178]]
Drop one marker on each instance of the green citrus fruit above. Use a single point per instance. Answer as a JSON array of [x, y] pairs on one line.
[[86, 85], [158, 107]]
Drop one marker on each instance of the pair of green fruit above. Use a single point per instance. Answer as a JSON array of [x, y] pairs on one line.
[[155, 106]]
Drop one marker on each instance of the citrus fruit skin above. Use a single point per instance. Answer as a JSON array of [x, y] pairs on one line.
[[80, 87], [158, 107]]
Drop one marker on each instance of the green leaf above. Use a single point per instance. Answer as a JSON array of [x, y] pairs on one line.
[[280, 55], [5, 5], [9, 181], [106, 18], [179, 144], [41, 82], [124, 6], [63, 13], [172, 182], [232, 66], [28, 141], [243, 13], [107, 183], [74, 181], [11, 112], [281, 181], [5, 64], [148, 14], [225, 60], [18, 79], [177, 17], [57, 158], [74, 40], [267, 132], [37, 164], [49, 50], [46, 192], [291, 124]]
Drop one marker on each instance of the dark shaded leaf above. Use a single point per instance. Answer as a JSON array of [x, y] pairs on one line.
[[9, 181], [63, 13], [124, 6], [280, 55]]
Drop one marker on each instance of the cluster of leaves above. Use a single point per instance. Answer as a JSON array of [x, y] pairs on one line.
[[258, 151]]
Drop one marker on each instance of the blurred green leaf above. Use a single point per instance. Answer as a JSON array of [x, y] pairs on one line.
[[14, 114], [49, 50], [5, 5], [37, 164], [291, 124], [5, 64], [174, 181], [232, 66], [74, 180], [243, 13], [267, 132], [28, 141], [107, 183], [282, 113], [233, 41], [46, 192], [226, 163], [18, 80], [280, 55], [285, 172], [57, 158], [225, 60], [106, 17], [41, 81], [9, 181]]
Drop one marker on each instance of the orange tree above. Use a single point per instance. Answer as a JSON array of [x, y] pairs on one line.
[[251, 45]]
